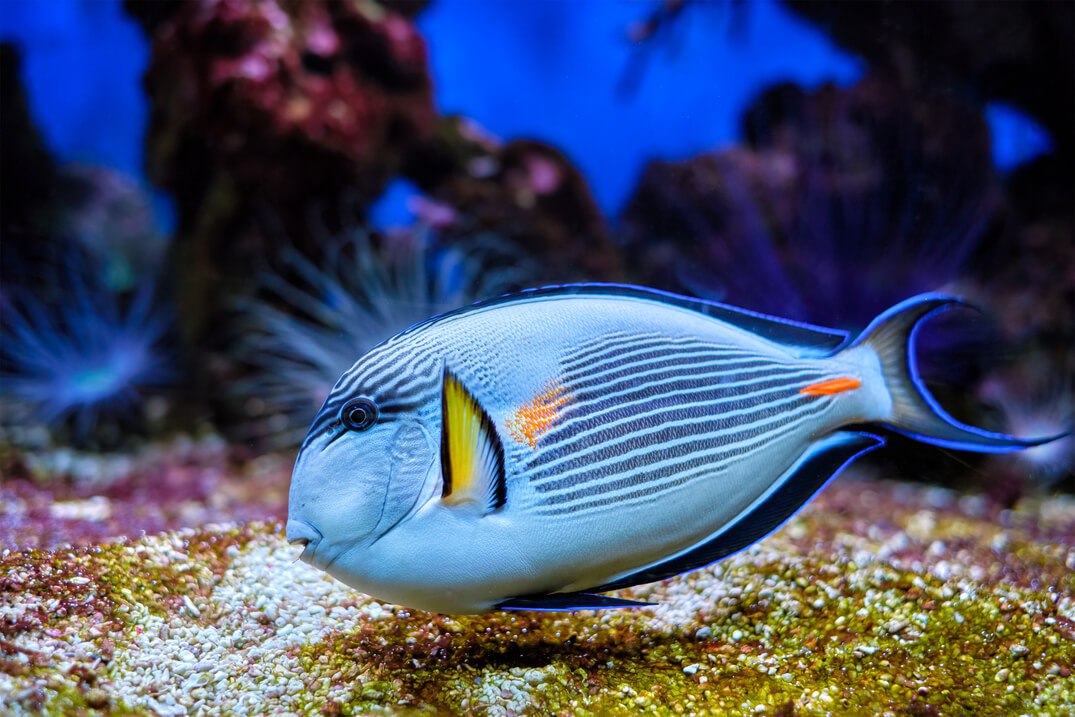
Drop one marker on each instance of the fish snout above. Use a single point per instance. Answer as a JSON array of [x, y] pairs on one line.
[[299, 532]]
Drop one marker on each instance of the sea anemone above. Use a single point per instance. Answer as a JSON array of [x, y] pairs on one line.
[[841, 203], [79, 357], [311, 321], [1036, 398], [844, 206]]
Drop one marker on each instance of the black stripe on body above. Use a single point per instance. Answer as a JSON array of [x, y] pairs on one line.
[[653, 468], [646, 424], [682, 386], [611, 345], [630, 364], [599, 360], [820, 463]]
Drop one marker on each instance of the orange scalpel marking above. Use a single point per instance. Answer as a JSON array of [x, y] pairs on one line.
[[833, 386], [531, 420]]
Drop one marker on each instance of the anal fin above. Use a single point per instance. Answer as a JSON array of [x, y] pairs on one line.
[[821, 463], [568, 601], [472, 456]]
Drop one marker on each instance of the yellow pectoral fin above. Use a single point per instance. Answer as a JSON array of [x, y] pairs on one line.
[[472, 457]]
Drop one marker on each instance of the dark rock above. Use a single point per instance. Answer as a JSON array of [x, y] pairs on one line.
[[525, 191], [1019, 53], [27, 170]]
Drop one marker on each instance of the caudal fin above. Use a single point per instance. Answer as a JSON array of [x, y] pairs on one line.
[[915, 412]]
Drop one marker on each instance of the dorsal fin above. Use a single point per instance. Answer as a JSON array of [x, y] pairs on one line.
[[471, 455], [815, 339]]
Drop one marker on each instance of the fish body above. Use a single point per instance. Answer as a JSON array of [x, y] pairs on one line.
[[534, 450]]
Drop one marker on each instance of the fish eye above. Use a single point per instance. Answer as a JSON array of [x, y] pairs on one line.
[[358, 414]]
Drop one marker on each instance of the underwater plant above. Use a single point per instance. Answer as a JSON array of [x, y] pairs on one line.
[[310, 320], [79, 357]]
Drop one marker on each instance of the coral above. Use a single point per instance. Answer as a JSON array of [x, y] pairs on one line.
[[1036, 397], [260, 104], [280, 106], [524, 191], [78, 356], [313, 320], [82, 334], [1018, 53], [846, 201], [112, 218], [283, 101]]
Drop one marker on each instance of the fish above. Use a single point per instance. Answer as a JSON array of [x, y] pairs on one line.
[[534, 451]]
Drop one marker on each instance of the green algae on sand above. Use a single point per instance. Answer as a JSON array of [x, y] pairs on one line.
[[879, 598]]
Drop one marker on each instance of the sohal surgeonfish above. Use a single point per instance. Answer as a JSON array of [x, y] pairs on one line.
[[531, 451]]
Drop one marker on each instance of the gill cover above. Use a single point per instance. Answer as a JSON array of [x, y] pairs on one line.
[[412, 450]]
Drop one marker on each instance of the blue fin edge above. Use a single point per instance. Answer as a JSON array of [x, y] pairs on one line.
[[557, 602], [943, 302]]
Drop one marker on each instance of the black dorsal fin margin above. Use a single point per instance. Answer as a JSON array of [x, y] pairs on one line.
[[808, 337]]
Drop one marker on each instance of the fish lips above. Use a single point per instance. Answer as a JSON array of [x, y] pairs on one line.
[[299, 532]]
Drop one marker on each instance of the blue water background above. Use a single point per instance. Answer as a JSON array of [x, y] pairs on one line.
[[559, 71]]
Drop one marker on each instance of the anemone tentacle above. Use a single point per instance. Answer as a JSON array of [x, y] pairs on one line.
[[307, 325], [75, 352]]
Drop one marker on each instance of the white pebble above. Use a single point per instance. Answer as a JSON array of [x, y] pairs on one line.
[[191, 607]]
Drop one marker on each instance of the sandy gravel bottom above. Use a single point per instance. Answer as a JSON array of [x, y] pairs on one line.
[[880, 598]]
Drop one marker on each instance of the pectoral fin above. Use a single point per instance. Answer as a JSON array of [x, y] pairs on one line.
[[472, 457]]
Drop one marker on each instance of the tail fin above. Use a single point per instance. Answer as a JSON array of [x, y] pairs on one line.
[[915, 412]]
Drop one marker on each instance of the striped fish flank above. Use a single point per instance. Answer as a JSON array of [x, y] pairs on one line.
[[531, 451], [650, 414]]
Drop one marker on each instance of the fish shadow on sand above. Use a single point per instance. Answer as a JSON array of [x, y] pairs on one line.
[[424, 641]]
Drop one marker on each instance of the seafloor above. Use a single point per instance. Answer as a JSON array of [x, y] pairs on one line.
[[880, 598]]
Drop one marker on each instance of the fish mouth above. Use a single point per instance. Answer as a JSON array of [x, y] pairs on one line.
[[299, 532]]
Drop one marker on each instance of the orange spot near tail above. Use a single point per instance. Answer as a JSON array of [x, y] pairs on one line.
[[833, 386], [530, 421]]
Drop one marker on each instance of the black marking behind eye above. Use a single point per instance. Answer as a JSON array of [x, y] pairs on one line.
[[358, 414], [395, 409]]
